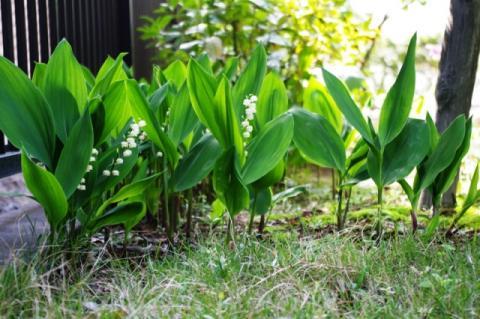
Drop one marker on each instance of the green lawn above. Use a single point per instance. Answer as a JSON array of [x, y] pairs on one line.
[[281, 276]]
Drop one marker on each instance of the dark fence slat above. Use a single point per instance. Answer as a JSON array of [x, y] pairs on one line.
[[21, 35], [43, 29], [7, 30], [32, 33]]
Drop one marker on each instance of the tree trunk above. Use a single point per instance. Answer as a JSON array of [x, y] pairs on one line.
[[458, 68]]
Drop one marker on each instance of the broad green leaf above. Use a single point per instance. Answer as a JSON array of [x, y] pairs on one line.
[[267, 148], [230, 68], [227, 117], [182, 118], [110, 72], [141, 111], [202, 88], [176, 73], [443, 155], [289, 193], [316, 99], [117, 110], [374, 166], [445, 179], [233, 194], [434, 135], [47, 191], [261, 200], [408, 191], [26, 118], [318, 141], [272, 177], [38, 77], [251, 78], [272, 99], [398, 103], [405, 152], [75, 155], [128, 214], [65, 88], [471, 197], [127, 192], [345, 103], [197, 164]]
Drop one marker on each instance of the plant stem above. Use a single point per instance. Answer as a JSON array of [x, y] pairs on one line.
[[168, 224], [455, 221], [252, 213], [188, 227], [261, 226], [339, 209], [380, 209], [347, 207], [413, 215]]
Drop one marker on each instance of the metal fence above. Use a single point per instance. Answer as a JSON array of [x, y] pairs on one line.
[[30, 30]]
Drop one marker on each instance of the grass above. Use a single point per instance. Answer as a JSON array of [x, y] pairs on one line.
[[282, 276]]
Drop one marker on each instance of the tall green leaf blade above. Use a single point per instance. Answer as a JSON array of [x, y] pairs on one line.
[[443, 155], [197, 164], [182, 116], [75, 155], [202, 88], [227, 117], [318, 141], [251, 78], [47, 191], [272, 99], [140, 110], [128, 214], [447, 176], [405, 152], [229, 189], [110, 72], [176, 73], [398, 103], [26, 118], [316, 99], [65, 87], [345, 103], [267, 148]]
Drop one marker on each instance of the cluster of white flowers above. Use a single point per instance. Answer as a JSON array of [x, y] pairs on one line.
[[250, 104], [93, 158]]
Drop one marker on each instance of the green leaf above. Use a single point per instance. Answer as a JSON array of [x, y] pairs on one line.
[[434, 135], [38, 77], [47, 191], [345, 103], [110, 72], [75, 155], [267, 148], [289, 193], [251, 78], [176, 73], [471, 197], [226, 116], [26, 118], [261, 200], [316, 99], [318, 141], [140, 110], [202, 88], [445, 179], [65, 88], [272, 177], [443, 155], [127, 192], [128, 214], [398, 103], [405, 152], [408, 191], [117, 111], [272, 99], [229, 189], [182, 116], [197, 164]]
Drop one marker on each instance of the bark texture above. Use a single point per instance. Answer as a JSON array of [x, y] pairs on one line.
[[458, 68]]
